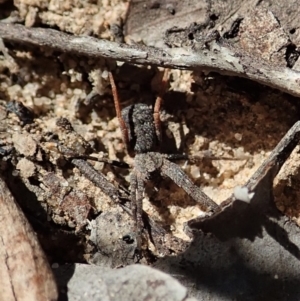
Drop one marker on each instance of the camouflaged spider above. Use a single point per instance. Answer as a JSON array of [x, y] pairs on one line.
[[141, 133]]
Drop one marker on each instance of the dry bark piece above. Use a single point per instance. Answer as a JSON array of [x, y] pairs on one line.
[[287, 12], [24, 271], [77, 206], [159, 16], [260, 32], [261, 35], [219, 57], [73, 203]]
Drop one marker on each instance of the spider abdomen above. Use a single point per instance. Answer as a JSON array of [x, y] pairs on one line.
[[141, 130]]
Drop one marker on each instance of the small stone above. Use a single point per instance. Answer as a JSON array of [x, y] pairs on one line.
[[26, 167], [24, 144]]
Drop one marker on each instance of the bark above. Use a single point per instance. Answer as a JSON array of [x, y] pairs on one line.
[[24, 270], [219, 57]]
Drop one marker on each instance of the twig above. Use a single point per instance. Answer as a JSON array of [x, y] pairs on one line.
[[219, 58]]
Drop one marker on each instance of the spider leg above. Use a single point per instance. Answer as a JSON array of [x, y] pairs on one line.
[[97, 178], [122, 123], [104, 160], [71, 154], [137, 188], [100, 181], [158, 104], [204, 155], [175, 173]]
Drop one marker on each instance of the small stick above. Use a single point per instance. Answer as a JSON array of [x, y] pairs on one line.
[[278, 156], [221, 59]]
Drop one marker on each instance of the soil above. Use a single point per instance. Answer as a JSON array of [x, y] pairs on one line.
[[229, 116]]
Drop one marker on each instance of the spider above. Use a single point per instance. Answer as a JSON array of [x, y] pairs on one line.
[[141, 132]]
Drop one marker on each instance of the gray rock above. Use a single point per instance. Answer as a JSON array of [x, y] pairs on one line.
[[135, 282]]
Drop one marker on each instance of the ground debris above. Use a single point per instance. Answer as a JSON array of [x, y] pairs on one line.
[[250, 250]]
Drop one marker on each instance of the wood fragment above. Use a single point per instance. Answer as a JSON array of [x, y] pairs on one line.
[[219, 58], [24, 270]]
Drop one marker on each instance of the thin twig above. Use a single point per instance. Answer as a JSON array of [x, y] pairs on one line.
[[219, 58]]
